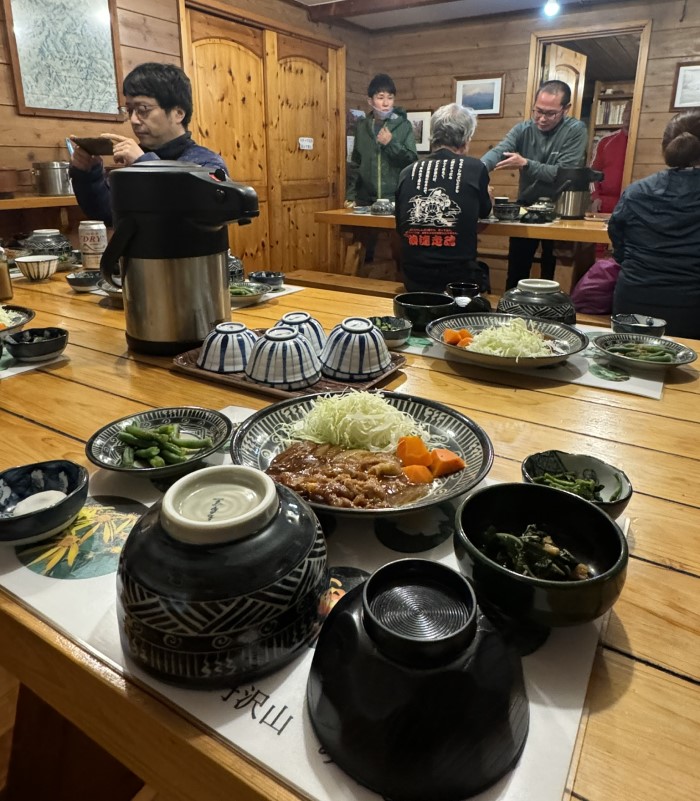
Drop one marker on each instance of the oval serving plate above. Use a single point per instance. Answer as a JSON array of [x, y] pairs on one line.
[[683, 355], [21, 315], [104, 448], [568, 339], [259, 439]]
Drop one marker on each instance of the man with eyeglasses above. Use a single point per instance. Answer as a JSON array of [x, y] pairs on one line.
[[537, 148], [159, 107]]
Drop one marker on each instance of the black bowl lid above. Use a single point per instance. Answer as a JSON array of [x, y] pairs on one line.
[[419, 612]]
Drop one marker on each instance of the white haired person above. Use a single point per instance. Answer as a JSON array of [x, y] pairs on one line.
[[439, 201]]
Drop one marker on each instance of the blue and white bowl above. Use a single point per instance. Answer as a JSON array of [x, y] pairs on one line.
[[283, 358], [227, 348], [308, 326], [39, 500], [355, 351]]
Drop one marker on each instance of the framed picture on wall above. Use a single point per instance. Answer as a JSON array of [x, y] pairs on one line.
[[420, 120], [483, 93], [64, 58], [686, 86]]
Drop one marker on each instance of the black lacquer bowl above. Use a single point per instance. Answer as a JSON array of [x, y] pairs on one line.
[[412, 692], [223, 581], [575, 524]]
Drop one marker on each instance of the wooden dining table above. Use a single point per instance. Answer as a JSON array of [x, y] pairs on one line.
[[641, 722]]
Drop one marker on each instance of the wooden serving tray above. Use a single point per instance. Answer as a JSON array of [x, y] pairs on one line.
[[187, 363]]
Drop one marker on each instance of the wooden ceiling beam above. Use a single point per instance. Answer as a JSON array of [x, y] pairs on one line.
[[354, 8]]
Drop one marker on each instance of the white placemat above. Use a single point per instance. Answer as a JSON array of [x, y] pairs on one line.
[[577, 369], [267, 719], [10, 366]]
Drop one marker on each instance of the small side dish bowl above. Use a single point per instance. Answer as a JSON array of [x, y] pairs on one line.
[[284, 359], [83, 280], [37, 267], [227, 348], [36, 344], [656, 354], [395, 330], [106, 449], [14, 318], [247, 293], [637, 324], [422, 308], [273, 278], [580, 527], [115, 297], [597, 481], [354, 351], [39, 500]]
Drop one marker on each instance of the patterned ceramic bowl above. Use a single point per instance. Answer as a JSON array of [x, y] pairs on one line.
[[223, 581], [39, 500], [36, 267], [308, 327], [355, 351], [284, 359], [227, 348]]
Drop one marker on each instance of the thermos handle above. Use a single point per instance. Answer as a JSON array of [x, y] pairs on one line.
[[115, 249]]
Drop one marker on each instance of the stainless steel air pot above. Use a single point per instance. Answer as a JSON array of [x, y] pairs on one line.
[[170, 247]]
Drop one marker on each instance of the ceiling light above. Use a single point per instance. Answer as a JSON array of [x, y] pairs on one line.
[[551, 8]]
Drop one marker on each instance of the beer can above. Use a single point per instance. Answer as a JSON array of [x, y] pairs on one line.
[[93, 241]]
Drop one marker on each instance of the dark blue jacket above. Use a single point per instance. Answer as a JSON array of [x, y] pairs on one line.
[[655, 232], [92, 188]]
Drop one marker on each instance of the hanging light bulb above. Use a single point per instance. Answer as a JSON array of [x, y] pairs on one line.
[[551, 8]]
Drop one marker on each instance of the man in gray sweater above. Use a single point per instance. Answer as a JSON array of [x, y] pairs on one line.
[[538, 147]]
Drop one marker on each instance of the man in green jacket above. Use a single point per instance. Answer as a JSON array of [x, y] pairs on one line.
[[538, 147], [384, 145]]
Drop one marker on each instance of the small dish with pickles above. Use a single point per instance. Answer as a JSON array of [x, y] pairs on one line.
[[643, 352]]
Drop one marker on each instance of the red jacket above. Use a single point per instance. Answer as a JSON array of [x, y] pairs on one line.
[[609, 158]]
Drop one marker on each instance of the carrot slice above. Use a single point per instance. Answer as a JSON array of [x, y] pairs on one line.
[[450, 336], [418, 474], [464, 343], [412, 450], [444, 461]]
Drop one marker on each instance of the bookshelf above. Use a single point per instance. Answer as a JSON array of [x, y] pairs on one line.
[[609, 100]]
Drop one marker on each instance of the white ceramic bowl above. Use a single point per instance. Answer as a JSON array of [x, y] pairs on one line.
[[227, 348], [37, 267], [355, 351], [284, 359], [308, 326]]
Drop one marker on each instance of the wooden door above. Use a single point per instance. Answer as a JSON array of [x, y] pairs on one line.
[[229, 117], [562, 64], [303, 109], [271, 103]]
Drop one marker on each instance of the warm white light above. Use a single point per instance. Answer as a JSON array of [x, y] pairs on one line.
[[551, 8]]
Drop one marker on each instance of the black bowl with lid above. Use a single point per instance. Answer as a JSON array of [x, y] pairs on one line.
[[422, 308], [408, 673]]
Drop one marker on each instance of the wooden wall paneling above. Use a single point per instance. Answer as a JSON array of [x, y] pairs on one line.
[[133, 56], [148, 33], [307, 242], [161, 9]]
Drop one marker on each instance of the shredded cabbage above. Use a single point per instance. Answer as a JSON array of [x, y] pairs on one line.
[[512, 339], [362, 420], [7, 318]]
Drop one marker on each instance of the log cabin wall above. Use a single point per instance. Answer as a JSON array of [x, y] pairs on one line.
[[423, 62]]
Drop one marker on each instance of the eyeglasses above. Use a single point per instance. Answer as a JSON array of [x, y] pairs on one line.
[[142, 110], [548, 115]]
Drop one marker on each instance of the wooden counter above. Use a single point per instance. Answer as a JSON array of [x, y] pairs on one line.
[[561, 230], [37, 202], [639, 739]]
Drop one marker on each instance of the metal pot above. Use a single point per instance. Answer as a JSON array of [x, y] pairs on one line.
[[573, 205], [51, 178]]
